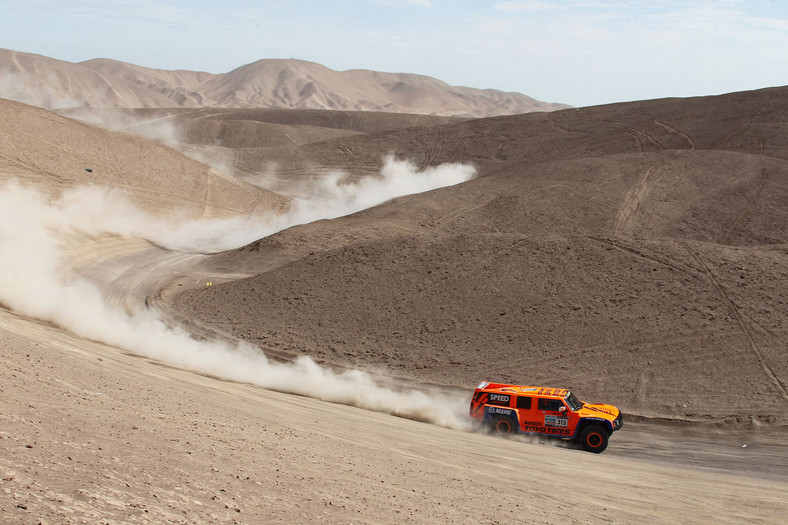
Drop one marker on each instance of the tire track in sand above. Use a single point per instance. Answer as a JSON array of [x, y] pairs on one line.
[[671, 129], [740, 320], [747, 207]]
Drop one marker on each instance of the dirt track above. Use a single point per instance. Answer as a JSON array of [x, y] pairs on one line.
[[94, 433], [104, 435]]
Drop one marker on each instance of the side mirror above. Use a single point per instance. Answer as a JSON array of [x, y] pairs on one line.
[[562, 409]]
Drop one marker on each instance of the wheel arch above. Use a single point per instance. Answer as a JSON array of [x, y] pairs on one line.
[[494, 414], [604, 423]]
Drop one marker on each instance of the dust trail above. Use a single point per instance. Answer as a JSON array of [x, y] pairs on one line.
[[35, 281], [161, 128], [14, 86], [331, 198]]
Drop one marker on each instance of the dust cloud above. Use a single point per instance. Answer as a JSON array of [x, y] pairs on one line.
[[13, 86], [161, 129], [35, 280], [330, 197]]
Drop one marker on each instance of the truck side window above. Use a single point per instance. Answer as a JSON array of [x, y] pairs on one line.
[[523, 402], [551, 405]]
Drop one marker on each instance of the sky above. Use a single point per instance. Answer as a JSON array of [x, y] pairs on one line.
[[578, 52]]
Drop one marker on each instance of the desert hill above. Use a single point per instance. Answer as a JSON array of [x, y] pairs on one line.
[[511, 142], [635, 252], [50, 83], [234, 129], [54, 153], [302, 84], [269, 83], [749, 121]]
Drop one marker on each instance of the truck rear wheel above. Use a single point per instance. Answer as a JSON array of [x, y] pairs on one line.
[[594, 438], [502, 425]]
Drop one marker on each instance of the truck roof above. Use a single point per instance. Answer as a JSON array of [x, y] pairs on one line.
[[522, 389]]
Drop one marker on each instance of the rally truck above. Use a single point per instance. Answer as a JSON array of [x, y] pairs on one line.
[[514, 409]]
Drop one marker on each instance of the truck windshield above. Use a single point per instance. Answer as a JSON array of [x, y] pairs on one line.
[[573, 403]]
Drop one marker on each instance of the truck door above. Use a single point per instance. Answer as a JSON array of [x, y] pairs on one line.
[[525, 413], [555, 421]]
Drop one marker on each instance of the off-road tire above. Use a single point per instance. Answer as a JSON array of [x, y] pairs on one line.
[[503, 425], [594, 438]]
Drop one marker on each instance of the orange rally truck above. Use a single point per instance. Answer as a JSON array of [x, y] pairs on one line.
[[513, 409]]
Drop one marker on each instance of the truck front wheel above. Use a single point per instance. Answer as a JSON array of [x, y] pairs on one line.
[[594, 438]]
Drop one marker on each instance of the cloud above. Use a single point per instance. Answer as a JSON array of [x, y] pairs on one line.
[[594, 51], [528, 6], [423, 3]]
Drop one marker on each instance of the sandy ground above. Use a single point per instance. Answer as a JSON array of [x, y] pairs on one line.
[[92, 434]]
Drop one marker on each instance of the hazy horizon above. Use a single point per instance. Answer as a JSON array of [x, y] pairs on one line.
[[577, 52]]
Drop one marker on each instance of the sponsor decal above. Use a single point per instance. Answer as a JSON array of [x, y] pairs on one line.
[[529, 389], [600, 410], [553, 431], [560, 392], [499, 399], [500, 411], [556, 421], [482, 385]]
